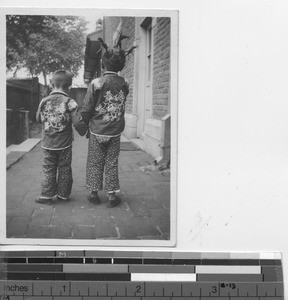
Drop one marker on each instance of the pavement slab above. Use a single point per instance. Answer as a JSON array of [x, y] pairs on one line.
[[142, 215]]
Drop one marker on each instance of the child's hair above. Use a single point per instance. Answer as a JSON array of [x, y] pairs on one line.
[[114, 60], [61, 79]]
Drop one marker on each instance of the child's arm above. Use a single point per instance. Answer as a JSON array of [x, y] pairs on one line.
[[76, 118], [38, 113]]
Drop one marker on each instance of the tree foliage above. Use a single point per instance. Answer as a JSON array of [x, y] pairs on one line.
[[44, 44], [19, 28]]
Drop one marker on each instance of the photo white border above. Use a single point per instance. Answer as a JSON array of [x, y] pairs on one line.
[[174, 15]]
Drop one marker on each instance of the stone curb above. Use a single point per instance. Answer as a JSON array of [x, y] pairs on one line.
[[13, 156]]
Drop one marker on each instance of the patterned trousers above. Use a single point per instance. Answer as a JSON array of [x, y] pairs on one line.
[[103, 153], [57, 161]]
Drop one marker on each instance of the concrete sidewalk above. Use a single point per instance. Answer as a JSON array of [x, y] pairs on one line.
[[143, 214]]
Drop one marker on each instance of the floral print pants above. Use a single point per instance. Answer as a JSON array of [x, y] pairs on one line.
[[103, 153], [57, 162]]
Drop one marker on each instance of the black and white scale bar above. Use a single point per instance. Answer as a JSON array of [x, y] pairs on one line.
[[102, 260], [134, 277], [66, 276], [124, 268], [140, 272]]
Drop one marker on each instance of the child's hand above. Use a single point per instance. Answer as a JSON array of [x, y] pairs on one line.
[[78, 123]]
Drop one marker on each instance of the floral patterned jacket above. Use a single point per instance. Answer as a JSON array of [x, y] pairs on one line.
[[58, 112], [104, 105]]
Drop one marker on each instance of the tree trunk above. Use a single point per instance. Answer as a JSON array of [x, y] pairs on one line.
[[15, 72], [45, 78]]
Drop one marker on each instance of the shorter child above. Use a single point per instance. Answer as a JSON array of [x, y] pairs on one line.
[[58, 112]]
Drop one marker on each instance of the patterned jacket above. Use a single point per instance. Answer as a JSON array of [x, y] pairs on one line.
[[58, 112], [104, 105]]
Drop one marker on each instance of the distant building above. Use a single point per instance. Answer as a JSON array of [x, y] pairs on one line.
[[147, 71], [92, 65]]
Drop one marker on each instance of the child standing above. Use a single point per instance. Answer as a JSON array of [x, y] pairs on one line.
[[58, 112], [103, 109]]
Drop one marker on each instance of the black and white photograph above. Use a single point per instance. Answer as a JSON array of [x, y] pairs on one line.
[[149, 129], [91, 116]]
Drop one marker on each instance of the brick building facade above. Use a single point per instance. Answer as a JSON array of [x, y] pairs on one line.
[[147, 70]]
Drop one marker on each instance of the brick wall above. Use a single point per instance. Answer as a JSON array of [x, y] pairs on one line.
[[128, 28], [161, 68], [161, 61]]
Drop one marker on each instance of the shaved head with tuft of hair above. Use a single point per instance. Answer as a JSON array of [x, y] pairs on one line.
[[61, 79]]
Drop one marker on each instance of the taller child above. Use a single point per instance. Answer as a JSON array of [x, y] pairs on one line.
[[103, 110]]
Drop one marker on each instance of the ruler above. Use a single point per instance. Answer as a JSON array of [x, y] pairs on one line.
[[138, 275]]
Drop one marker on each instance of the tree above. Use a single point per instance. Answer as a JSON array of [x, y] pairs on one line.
[[56, 43], [19, 28]]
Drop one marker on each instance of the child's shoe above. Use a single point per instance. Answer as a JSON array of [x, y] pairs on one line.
[[60, 199], [113, 200], [93, 198], [40, 200]]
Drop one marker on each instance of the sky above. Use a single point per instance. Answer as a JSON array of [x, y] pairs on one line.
[[91, 18]]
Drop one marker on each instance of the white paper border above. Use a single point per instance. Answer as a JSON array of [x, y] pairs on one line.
[[173, 14]]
